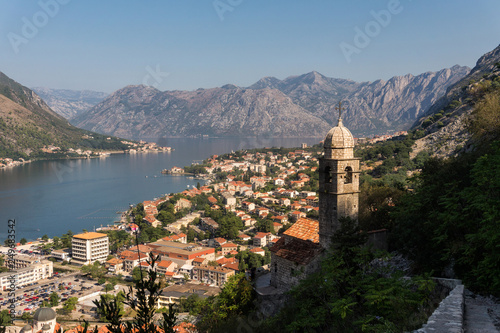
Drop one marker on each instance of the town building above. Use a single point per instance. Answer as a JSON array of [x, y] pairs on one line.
[[180, 253], [228, 248], [21, 277], [61, 254], [89, 247], [182, 204], [174, 293], [212, 275], [114, 265], [208, 224]]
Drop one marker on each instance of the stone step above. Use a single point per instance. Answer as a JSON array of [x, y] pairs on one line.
[[477, 319]]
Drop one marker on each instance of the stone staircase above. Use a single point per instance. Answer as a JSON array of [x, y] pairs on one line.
[[480, 314], [463, 312]]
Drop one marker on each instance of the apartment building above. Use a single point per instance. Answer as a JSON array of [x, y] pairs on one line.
[[21, 277], [90, 247]]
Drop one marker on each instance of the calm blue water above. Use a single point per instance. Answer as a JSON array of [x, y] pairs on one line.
[[52, 197]]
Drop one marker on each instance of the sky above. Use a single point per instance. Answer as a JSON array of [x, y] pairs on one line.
[[191, 44]]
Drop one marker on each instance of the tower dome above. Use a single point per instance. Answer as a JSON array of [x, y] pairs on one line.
[[44, 314], [339, 137]]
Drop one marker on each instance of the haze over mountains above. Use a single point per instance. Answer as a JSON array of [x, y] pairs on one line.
[[298, 106], [69, 103]]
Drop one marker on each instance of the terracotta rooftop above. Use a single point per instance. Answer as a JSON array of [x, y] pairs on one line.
[[142, 248], [305, 229], [261, 235], [90, 235], [114, 261], [199, 260], [165, 263], [233, 266]]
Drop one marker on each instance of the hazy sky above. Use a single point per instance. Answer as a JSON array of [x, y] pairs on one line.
[[190, 44]]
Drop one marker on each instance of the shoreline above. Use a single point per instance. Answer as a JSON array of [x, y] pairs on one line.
[[103, 154]]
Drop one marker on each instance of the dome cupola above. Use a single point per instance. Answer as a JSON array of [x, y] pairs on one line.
[[339, 142]]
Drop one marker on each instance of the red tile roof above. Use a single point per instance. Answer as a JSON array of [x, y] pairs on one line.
[[165, 263], [305, 229]]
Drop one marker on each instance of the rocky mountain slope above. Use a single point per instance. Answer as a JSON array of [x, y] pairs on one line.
[[296, 106], [446, 121], [27, 124], [371, 107], [140, 111], [69, 103]]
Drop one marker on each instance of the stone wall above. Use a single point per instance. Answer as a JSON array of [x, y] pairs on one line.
[[285, 273], [449, 316]]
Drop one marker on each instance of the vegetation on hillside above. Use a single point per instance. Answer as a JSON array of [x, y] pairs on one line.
[[27, 125], [349, 294]]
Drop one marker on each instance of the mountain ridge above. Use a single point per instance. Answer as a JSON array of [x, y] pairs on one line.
[[299, 104]]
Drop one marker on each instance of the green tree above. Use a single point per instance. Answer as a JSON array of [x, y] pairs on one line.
[[56, 242], [142, 300], [95, 270], [346, 296], [26, 316], [235, 299], [5, 318], [54, 299], [70, 305], [109, 287], [23, 241]]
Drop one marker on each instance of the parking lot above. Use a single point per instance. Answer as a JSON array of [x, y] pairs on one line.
[[30, 298]]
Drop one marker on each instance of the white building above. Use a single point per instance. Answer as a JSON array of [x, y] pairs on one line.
[[21, 277], [90, 247]]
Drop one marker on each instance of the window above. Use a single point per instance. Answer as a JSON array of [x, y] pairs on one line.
[[348, 176], [328, 174]]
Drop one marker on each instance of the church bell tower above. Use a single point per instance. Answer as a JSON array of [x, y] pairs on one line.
[[338, 181]]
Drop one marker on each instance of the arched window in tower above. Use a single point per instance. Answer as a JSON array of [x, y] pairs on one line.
[[328, 175], [348, 175]]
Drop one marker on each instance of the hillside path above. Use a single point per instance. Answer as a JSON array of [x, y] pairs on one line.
[[482, 314]]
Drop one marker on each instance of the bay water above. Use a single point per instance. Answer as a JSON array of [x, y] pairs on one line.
[[52, 197]]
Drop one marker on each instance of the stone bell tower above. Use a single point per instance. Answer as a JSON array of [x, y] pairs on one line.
[[338, 181]]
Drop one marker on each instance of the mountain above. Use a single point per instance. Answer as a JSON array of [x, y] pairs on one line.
[[371, 107], [140, 111], [446, 123], [69, 103], [297, 106], [27, 125]]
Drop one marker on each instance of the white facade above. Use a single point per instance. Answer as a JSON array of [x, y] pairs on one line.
[[90, 247], [24, 276]]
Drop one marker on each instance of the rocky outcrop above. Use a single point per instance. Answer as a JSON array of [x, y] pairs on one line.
[[445, 123]]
